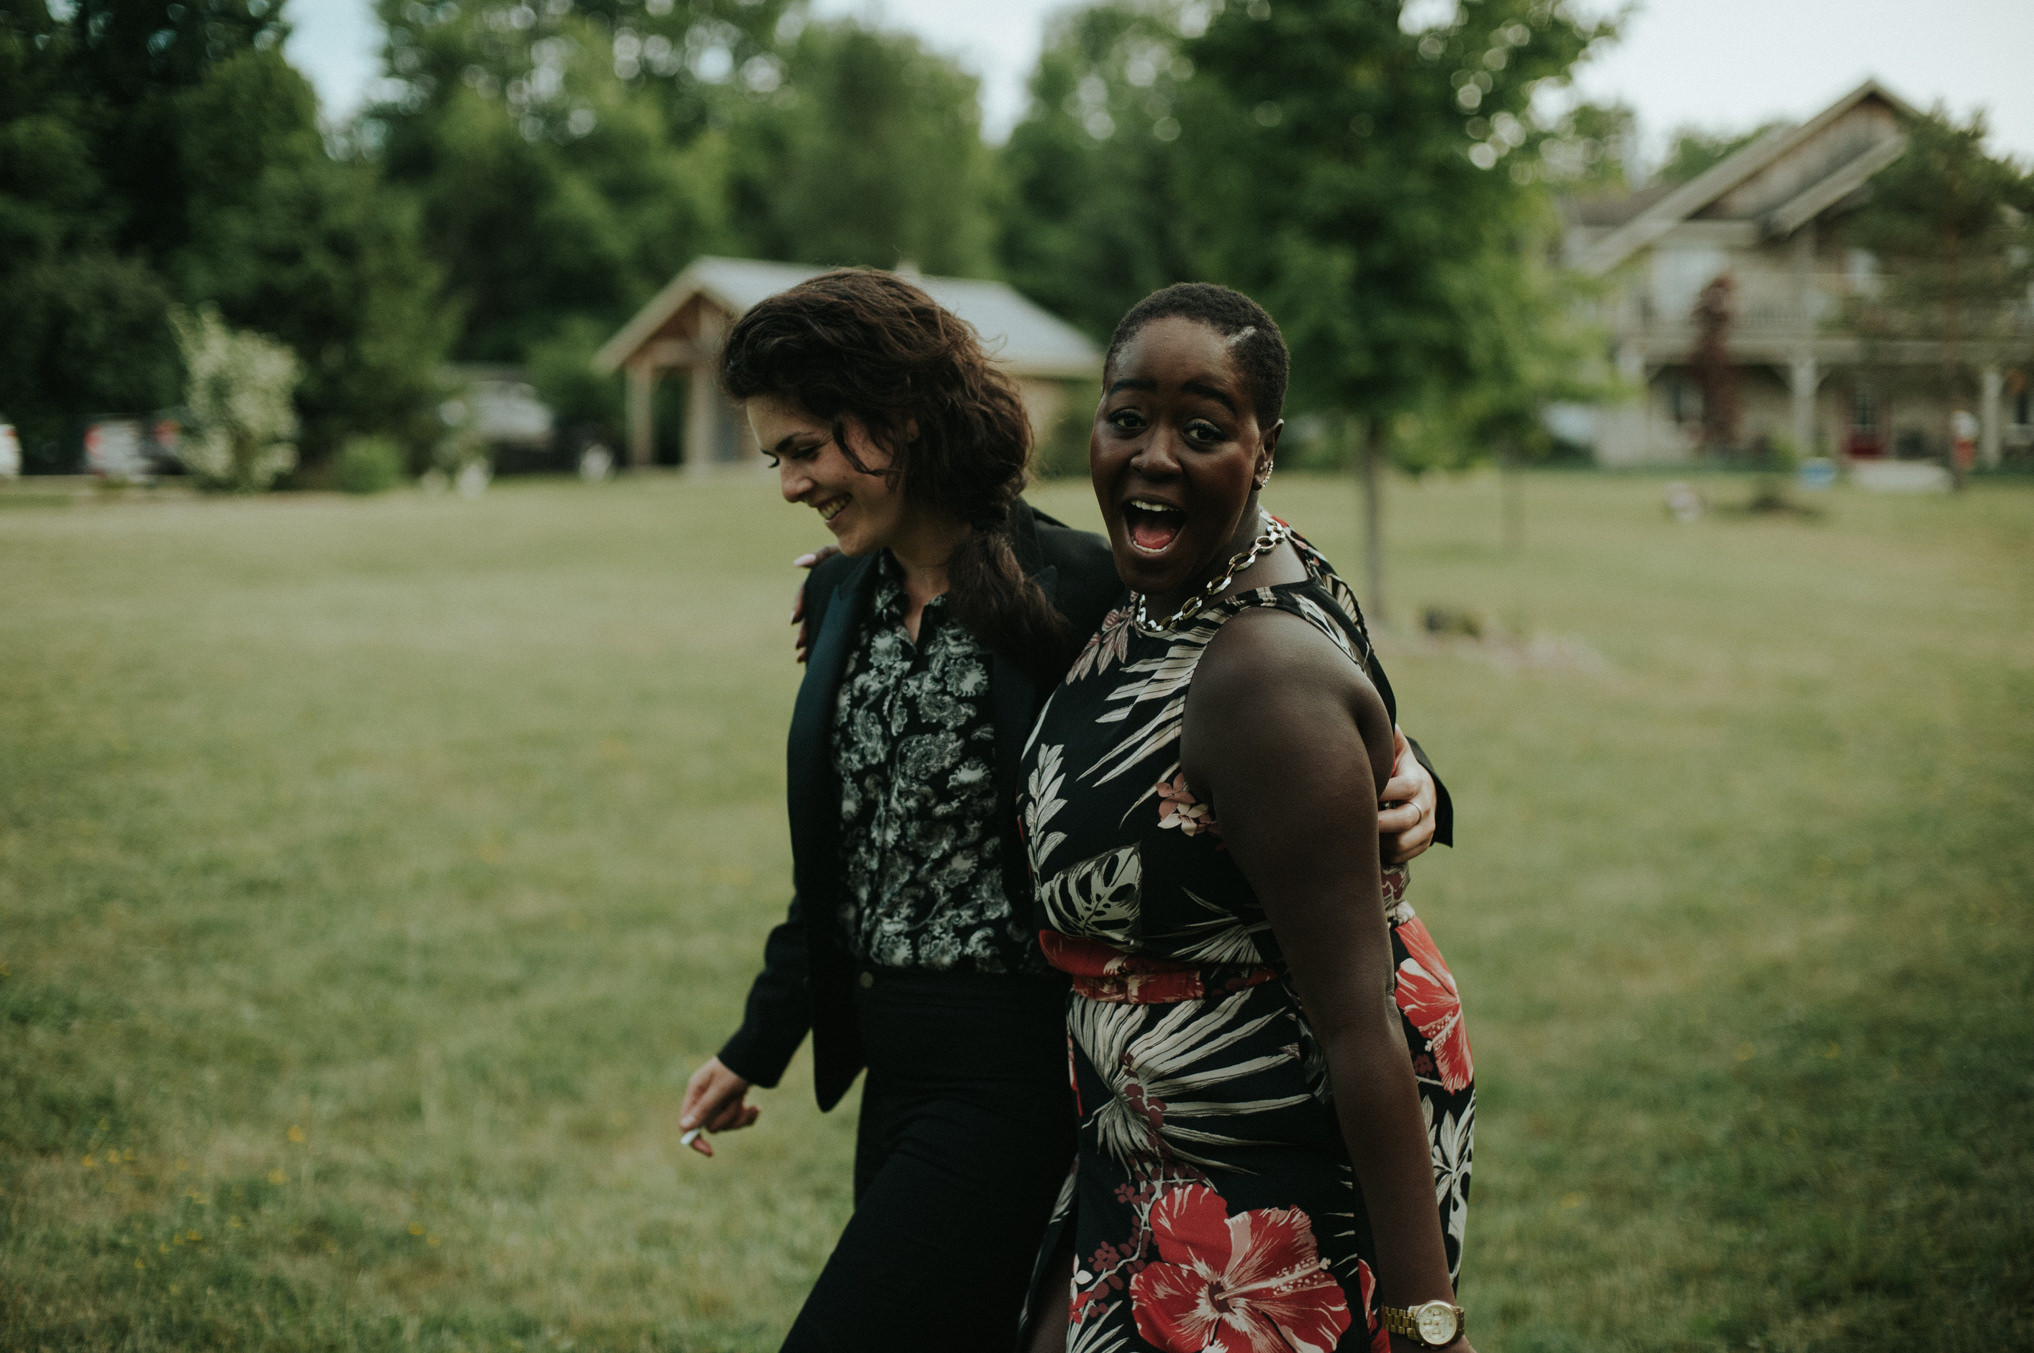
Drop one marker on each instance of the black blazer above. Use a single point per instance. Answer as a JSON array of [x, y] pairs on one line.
[[807, 982]]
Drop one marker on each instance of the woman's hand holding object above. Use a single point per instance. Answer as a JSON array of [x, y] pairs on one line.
[[713, 1103]]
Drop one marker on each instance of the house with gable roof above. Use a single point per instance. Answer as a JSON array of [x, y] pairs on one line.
[[1766, 217], [679, 332]]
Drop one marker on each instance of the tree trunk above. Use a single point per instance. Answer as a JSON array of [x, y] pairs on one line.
[[1511, 482], [1952, 334], [1370, 465]]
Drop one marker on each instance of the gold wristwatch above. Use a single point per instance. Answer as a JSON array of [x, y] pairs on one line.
[[1435, 1324]]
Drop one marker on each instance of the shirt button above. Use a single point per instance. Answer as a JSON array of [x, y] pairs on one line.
[[867, 979]]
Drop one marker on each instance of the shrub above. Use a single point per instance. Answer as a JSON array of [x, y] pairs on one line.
[[368, 465], [238, 389]]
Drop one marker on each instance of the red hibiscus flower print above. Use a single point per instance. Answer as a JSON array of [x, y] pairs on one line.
[[1177, 807], [1366, 1284], [1427, 997], [1251, 1283]]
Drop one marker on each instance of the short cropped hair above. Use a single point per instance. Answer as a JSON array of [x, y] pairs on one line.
[[1252, 333]]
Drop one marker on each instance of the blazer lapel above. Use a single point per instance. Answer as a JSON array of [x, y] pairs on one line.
[[1015, 697], [807, 774]]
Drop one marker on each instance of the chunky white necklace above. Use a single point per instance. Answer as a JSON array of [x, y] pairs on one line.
[[1275, 533]]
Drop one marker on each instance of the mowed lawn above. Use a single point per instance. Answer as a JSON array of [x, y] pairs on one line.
[[373, 872]]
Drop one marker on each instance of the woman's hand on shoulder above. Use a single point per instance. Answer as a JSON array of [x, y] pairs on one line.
[[802, 645], [714, 1101]]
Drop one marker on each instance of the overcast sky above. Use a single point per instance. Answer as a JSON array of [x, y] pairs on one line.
[[1718, 64]]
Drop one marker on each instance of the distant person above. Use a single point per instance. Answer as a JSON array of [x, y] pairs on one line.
[[1273, 1079], [951, 611]]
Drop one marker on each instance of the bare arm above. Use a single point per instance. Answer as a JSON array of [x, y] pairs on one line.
[[1291, 744]]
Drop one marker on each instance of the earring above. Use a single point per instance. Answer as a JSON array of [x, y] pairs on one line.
[[1265, 476]]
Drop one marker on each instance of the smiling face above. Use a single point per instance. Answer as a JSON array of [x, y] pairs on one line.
[[1176, 455], [865, 511]]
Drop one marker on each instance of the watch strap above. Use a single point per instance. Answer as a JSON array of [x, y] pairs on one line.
[[1406, 1321]]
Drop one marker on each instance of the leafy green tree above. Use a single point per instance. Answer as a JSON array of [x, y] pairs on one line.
[[566, 159], [155, 152], [871, 153], [1949, 227], [1381, 184], [237, 396], [1381, 190], [85, 326], [1592, 149], [1102, 190], [283, 237]]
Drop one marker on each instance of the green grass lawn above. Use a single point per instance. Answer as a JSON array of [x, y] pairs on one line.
[[373, 872]]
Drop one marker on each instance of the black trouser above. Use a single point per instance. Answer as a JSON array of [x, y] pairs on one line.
[[967, 1129]]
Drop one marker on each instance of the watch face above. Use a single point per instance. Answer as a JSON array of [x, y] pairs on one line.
[[1437, 1322]]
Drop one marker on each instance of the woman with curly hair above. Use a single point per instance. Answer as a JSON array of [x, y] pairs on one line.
[[950, 611]]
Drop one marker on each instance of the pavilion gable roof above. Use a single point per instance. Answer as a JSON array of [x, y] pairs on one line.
[[1027, 339]]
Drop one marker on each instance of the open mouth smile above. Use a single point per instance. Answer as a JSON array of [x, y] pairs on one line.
[[831, 508], [1151, 525]]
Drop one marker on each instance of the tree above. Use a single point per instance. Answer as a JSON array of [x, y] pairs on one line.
[[155, 152], [1715, 308], [85, 326], [1380, 184], [285, 238], [1378, 189], [1102, 208], [1949, 227], [565, 160], [1591, 149], [870, 153], [238, 398]]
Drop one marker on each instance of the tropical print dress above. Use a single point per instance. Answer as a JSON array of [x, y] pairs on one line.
[[1212, 1203]]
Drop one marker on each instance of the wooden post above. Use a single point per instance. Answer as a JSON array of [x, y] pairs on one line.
[[1802, 378], [702, 422], [705, 409], [1991, 386], [641, 412]]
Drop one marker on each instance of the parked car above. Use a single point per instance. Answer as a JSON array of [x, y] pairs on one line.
[[132, 448]]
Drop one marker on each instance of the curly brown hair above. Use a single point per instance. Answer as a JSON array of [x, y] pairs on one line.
[[856, 343]]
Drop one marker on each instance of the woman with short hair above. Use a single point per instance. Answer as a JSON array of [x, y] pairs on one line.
[[1270, 1065]]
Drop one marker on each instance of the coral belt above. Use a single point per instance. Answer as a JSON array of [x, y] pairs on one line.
[[1103, 973]]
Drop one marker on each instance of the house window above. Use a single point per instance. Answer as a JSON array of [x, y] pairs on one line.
[[1861, 271], [1864, 410]]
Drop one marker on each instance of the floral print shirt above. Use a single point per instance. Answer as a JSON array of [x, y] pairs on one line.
[[914, 749]]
